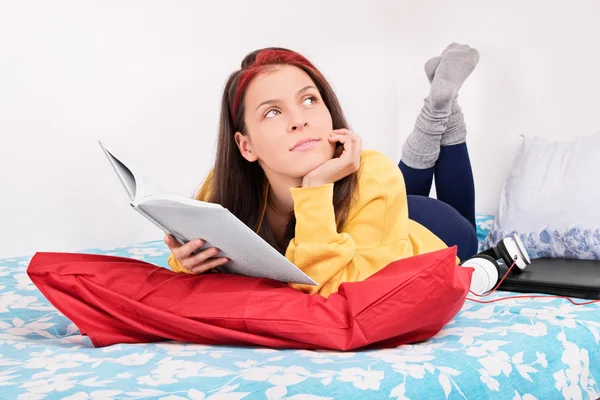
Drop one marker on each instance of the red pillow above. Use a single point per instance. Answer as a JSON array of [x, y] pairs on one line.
[[120, 300]]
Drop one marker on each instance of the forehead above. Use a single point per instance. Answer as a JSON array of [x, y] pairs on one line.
[[279, 82]]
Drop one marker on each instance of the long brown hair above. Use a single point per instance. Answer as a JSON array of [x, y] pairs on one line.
[[239, 185]]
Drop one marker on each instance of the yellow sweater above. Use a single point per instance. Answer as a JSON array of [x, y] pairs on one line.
[[378, 230]]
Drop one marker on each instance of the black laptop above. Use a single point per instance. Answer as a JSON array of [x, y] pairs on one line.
[[557, 276]]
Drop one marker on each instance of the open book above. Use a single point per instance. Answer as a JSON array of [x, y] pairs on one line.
[[187, 219]]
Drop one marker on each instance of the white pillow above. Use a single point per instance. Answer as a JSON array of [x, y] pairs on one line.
[[551, 199]]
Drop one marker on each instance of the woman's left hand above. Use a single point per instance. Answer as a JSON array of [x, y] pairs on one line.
[[345, 162]]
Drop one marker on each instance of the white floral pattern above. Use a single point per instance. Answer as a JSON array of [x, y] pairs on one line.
[[521, 349], [575, 242]]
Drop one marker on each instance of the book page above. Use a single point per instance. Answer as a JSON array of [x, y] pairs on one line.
[[250, 255], [134, 186]]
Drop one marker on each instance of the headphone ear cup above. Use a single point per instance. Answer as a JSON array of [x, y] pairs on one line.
[[504, 254], [511, 248], [485, 273], [522, 249]]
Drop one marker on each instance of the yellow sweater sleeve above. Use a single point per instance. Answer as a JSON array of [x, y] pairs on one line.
[[176, 266], [376, 233]]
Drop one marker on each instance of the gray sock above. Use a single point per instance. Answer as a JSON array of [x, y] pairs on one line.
[[422, 147], [456, 129]]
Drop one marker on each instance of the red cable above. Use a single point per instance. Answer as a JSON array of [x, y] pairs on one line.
[[520, 296]]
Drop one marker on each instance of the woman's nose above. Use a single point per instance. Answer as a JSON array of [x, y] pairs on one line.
[[298, 120], [299, 124]]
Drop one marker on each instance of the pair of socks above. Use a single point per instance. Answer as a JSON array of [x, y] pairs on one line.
[[441, 121]]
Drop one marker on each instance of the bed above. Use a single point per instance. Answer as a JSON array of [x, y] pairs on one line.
[[515, 349]]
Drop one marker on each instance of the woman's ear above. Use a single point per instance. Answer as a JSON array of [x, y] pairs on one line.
[[245, 146]]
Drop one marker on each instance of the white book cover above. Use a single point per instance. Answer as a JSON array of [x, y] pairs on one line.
[[187, 219]]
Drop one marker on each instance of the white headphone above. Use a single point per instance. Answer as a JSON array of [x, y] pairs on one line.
[[485, 275]]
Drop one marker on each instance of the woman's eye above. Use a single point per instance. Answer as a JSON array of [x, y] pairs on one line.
[[271, 113], [310, 100]]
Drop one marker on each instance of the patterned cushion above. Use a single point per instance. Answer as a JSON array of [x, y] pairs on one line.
[[551, 198]]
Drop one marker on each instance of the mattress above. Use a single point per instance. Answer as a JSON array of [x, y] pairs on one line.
[[541, 348]]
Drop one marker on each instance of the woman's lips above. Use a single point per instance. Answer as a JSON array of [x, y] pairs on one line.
[[305, 145]]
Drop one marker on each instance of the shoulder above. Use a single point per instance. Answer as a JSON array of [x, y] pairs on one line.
[[380, 187], [377, 168], [380, 181], [205, 190]]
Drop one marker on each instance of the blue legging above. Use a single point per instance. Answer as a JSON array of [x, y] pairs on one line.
[[451, 216]]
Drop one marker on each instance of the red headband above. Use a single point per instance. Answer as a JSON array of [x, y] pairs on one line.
[[262, 59]]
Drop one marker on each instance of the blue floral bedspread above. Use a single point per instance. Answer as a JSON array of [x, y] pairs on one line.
[[515, 349]]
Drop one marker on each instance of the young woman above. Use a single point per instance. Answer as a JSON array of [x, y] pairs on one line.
[[290, 168]]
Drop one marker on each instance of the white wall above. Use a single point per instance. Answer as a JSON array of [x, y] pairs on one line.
[[539, 74], [146, 78]]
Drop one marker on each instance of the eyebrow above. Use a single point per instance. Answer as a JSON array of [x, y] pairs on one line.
[[304, 89]]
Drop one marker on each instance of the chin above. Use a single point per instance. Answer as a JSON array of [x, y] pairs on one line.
[[308, 163]]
